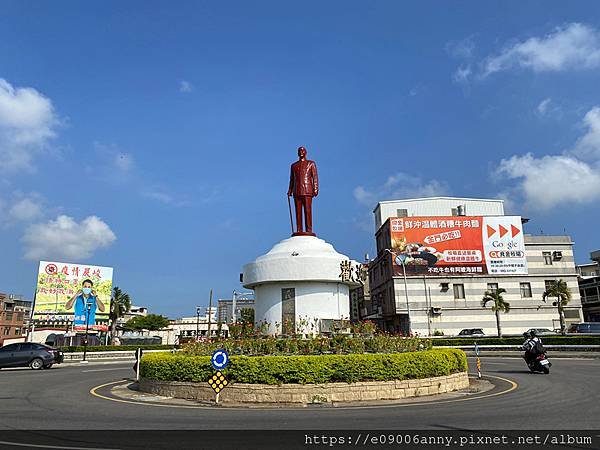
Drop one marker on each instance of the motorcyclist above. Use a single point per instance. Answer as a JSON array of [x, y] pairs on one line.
[[533, 346]]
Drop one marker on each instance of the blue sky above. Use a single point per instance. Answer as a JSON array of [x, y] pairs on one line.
[[156, 138]]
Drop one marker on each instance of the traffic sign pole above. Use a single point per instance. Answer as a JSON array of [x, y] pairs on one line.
[[477, 361]]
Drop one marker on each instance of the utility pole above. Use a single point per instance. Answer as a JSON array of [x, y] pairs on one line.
[[209, 312]]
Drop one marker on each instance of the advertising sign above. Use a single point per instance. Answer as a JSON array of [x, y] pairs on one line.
[[62, 295], [458, 245]]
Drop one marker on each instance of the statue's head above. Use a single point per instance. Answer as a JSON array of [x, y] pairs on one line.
[[301, 152]]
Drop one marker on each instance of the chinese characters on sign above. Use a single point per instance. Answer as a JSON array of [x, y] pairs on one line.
[[353, 272], [463, 245], [60, 282]]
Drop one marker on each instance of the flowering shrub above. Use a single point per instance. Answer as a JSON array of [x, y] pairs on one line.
[[337, 343]]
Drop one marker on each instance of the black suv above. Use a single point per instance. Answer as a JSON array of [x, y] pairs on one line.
[[36, 356]]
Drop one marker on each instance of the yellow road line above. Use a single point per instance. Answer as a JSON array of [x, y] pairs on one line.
[[513, 386]]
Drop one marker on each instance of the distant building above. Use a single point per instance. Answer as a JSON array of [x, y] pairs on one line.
[[225, 309], [14, 315], [443, 291], [134, 311], [361, 307], [589, 288]]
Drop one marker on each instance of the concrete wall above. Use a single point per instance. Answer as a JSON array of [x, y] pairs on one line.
[[314, 300], [303, 394]]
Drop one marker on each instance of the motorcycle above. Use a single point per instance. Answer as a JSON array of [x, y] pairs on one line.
[[540, 364]]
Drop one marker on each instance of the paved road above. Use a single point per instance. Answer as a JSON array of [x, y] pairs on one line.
[[59, 399]]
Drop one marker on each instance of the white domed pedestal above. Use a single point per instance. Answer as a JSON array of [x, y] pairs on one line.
[[299, 279]]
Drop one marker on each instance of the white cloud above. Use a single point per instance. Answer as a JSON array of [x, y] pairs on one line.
[[588, 146], [164, 198], [185, 86], [551, 180], [543, 106], [574, 46], [398, 186], [461, 49], [462, 74], [27, 123], [28, 208], [65, 238]]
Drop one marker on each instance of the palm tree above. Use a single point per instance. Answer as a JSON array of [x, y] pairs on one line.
[[119, 305], [499, 304], [560, 290]]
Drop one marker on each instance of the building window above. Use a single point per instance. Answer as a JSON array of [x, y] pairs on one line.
[[459, 291], [6, 331], [8, 315], [402, 213], [547, 258], [492, 287], [525, 290]]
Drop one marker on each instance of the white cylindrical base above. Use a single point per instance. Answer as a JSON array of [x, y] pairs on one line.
[[313, 302]]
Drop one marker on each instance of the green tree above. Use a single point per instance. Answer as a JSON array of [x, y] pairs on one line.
[[558, 289], [120, 303], [247, 315], [498, 304], [150, 322]]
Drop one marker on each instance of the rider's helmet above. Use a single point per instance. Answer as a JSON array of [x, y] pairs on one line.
[[532, 333], [527, 335]]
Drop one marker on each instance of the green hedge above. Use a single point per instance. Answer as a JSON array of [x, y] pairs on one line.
[[117, 348], [547, 340], [308, 369]]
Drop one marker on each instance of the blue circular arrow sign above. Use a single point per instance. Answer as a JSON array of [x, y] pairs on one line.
[[219, 359]]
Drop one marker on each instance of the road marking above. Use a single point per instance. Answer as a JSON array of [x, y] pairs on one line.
[[513, 386], [22, 444], [96, 370]]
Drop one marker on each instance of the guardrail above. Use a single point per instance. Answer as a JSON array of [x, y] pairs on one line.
[[129, 355], [116, 355]]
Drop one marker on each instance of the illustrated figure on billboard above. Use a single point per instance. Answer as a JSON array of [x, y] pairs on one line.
[[415, 253], [304, 185], [84, 297]]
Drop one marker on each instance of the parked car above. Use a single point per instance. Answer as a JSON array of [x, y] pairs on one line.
[[542, 331], [471, 332], [36, 356], [585, 328]]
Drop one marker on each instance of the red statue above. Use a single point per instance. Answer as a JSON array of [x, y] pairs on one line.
[[304, 185]]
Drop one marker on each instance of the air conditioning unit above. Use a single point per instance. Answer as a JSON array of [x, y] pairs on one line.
[[436, 310], [556, 256]]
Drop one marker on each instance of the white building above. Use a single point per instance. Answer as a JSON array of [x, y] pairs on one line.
[[449, 302]]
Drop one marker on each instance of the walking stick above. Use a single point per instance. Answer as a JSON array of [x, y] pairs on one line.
[[290, 209]]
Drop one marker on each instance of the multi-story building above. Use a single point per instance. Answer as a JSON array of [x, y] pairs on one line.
[[426, 296], [134, 311], [225, 308], [589, 288], [14, 311], [361, 307]]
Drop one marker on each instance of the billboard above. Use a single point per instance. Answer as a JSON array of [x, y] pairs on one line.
[[59, 295], [458, 245]]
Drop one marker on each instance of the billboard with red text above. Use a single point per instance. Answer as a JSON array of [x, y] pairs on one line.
[[458, 245], [60, 295]]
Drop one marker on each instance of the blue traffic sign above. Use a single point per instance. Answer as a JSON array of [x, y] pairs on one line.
[[219, 359]]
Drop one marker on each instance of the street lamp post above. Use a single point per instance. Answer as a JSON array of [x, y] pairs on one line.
[[197, 322], [242, 296], [88, 307], [233, 299], [396, 258]]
